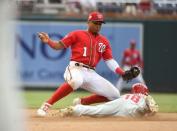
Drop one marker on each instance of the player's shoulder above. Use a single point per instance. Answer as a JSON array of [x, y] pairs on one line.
[[127, 50], [104, 38]]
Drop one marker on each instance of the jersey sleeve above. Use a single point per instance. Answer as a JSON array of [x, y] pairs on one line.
[[69, 39], [107, 54]]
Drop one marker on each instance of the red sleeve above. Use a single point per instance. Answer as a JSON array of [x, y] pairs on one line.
[[69, 39], [107, 54]]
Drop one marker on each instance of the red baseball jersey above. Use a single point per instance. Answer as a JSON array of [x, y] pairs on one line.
[[87, 48], [131, 57]]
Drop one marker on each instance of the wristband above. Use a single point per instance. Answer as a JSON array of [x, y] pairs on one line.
[[119, 71]]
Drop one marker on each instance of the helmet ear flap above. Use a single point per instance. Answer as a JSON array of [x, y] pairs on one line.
[[140, 89]]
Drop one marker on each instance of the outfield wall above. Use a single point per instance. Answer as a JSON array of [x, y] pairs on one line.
[[160, 55]]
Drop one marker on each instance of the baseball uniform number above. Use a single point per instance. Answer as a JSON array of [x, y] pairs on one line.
[[134, 98], [85, 51]]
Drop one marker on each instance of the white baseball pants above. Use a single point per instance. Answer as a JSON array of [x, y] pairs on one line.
[[88, 79]]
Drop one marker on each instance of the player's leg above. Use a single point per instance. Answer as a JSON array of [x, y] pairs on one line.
[[106, 109], [94, 98], [73, 79], [103, 90], [61, 92], [119, 107]]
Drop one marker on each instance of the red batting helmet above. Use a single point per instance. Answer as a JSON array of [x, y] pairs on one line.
[[140, 88], [96, 16]]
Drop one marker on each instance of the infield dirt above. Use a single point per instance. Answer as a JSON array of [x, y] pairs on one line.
[[159, 122]]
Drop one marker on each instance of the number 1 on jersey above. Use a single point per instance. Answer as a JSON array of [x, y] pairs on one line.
[[85, 51]]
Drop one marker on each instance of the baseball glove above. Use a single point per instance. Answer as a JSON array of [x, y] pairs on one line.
[[130, 74]]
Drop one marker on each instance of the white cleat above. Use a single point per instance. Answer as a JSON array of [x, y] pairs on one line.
[[42, 111], [76, 101]]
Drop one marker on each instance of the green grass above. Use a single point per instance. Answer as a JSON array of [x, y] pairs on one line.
[[166, 102], [33, 99]]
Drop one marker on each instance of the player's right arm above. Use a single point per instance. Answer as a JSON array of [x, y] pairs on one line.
[[53, 44]]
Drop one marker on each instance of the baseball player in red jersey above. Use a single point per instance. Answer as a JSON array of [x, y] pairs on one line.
[[87, 49], [131, 57]]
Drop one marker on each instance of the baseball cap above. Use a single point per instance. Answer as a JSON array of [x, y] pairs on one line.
[[96, 16]]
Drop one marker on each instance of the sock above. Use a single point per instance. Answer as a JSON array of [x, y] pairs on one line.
[[61, 92], [93, 99]]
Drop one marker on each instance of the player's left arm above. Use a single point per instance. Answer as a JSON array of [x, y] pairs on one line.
[[114, 66], [110, 61], [126, 75]]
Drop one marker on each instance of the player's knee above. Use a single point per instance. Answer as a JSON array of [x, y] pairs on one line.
[[75, 83]]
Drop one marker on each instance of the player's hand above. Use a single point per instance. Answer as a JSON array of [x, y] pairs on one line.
[[44, 37]]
